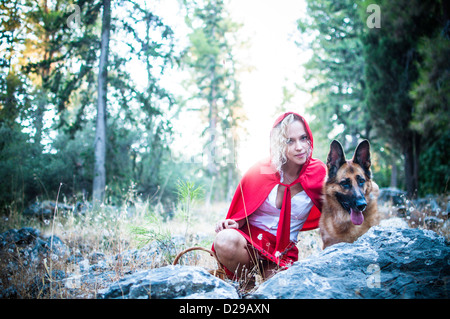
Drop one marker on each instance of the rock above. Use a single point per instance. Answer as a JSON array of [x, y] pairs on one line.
[[82, 207], [433, 222], [13, 237], [27, 252], [46, 209], [39, 209], [428, 204], [96, 257], [386, 262], [389, 261], [391, 194], [99, 270], [392, 202], [394, 222], [149, 256], [170, 282], [31, 244], [43, 285]]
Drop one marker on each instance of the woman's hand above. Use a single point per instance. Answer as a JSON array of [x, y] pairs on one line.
[[226, 224]]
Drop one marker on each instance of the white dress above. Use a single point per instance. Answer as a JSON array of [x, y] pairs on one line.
[[266, 217]]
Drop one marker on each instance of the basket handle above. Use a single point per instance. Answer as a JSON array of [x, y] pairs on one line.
[[212, 253]]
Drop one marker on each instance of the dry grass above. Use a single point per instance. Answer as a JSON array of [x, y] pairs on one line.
[[432, 214], [109, 234]]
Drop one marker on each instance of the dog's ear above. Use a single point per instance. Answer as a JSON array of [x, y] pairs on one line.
[[362, 157], [336, 158]]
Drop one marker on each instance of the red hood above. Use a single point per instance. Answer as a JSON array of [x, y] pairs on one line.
[[261, 178]]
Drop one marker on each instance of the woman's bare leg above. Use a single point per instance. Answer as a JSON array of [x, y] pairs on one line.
[[231, 250]]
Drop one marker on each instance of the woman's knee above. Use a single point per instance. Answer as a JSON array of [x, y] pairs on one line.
[[228, 241]]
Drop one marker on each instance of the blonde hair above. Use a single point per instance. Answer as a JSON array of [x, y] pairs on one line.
[[278, 141]]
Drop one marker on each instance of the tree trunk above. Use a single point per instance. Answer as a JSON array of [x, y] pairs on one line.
[[38, 120], [99, 184], [212, 145], [211, 148], [394, 173], [412, 153]]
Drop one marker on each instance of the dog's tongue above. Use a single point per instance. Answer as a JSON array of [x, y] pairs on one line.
[[356, 217]]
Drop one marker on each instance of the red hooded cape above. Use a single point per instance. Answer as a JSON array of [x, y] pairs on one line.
[[260, 179]]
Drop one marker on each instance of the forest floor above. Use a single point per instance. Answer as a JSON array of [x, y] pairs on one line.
[[109, 232]]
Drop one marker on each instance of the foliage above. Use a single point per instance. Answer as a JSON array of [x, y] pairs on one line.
[[16, 167], [391, 70], [48, 97], [188, 195], [335, 71], [210, 57], [388, 84], [431, 91], [155, 230], [434, 174]]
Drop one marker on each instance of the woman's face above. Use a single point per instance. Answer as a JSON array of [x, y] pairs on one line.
[[298, 146]]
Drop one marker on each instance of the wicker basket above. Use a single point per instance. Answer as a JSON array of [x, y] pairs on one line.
[[219, 272]]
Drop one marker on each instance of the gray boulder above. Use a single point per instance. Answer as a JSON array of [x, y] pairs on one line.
[[31, 245], [170, 282], [46, 209], [27, 252], [386, 262], [394, 195]]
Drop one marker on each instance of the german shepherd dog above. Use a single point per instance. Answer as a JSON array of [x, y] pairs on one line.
[[350, 205]]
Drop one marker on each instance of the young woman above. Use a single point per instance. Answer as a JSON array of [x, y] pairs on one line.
[[275, 200]]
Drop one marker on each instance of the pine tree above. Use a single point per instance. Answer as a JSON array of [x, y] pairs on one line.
[[210, 56], [335, 70], [51, 57], [391, 58]]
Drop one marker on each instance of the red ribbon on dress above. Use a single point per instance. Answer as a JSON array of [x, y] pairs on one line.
[[284, 224]]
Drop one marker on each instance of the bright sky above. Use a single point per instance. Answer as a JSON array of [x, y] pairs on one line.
[[269, 28]]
